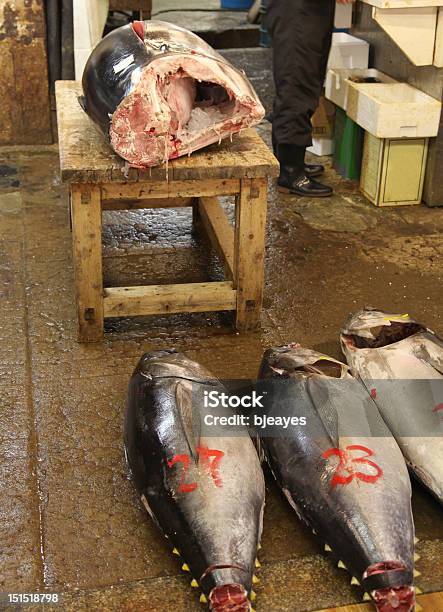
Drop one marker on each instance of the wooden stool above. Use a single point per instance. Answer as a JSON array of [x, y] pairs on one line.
[[97, 182], [144, 6]]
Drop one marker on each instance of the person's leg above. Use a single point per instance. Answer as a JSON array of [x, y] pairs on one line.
[[301, 32]]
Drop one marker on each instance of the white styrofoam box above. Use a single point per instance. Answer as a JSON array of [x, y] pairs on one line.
[[322, 146], [393, 110], [89, 17], [348, 52], [343, 16], [337, 81], [398, 4]]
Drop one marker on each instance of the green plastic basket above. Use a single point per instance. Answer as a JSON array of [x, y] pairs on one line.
[[348, 150]]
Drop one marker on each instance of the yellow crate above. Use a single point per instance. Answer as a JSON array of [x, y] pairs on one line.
[[393, 170]]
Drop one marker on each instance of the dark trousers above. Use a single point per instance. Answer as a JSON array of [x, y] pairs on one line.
[[301, 32]]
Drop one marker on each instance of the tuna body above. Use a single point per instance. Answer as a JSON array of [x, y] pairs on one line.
[[343, 473], [402, 362], [205, 493]]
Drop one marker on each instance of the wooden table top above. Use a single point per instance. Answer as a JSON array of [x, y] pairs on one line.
[[86, 156]]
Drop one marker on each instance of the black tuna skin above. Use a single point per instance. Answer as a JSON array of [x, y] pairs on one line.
[[298, 468], [104, 88], [153, 433], [148, 401]]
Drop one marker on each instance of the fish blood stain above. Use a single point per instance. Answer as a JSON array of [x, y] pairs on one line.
[[349, 464]]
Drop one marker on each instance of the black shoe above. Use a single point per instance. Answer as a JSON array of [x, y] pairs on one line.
[[292, 181], [312, 170], [292, 154]]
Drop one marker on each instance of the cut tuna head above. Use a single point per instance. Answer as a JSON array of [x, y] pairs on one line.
[[181, 103], [370, 328], [160, 91]]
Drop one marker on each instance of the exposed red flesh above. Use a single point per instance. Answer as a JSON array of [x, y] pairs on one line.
[[383, 567], [349, 341], [401, 599], [229, 598], [391, 599], [151, 124], [139, 29]]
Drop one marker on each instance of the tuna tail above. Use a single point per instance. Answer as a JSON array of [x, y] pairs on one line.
[[229, 598], [397, 599], [390, 585]]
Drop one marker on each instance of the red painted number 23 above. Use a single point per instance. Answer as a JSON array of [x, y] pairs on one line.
[[349, 466], [210, 460]]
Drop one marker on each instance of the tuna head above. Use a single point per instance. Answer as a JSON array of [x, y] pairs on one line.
[[343, 472], [206, 493], [162, 92]]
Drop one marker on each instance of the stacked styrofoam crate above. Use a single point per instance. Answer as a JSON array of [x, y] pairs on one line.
[[393, 110], [343, 16], [398, 120], [338, 80], [346, 52]]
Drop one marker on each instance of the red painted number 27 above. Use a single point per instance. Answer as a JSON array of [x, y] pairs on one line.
[[350, 464], [210, 459]]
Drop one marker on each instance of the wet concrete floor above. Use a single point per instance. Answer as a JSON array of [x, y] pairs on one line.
[[221, 28], [70, 521]]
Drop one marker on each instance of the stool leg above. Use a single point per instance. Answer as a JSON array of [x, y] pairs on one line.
[[195, 212], [250, 226], [87, 252], [146, 13]]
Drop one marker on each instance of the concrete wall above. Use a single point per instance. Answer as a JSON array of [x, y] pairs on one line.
[[386, 56], [24, 108]]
